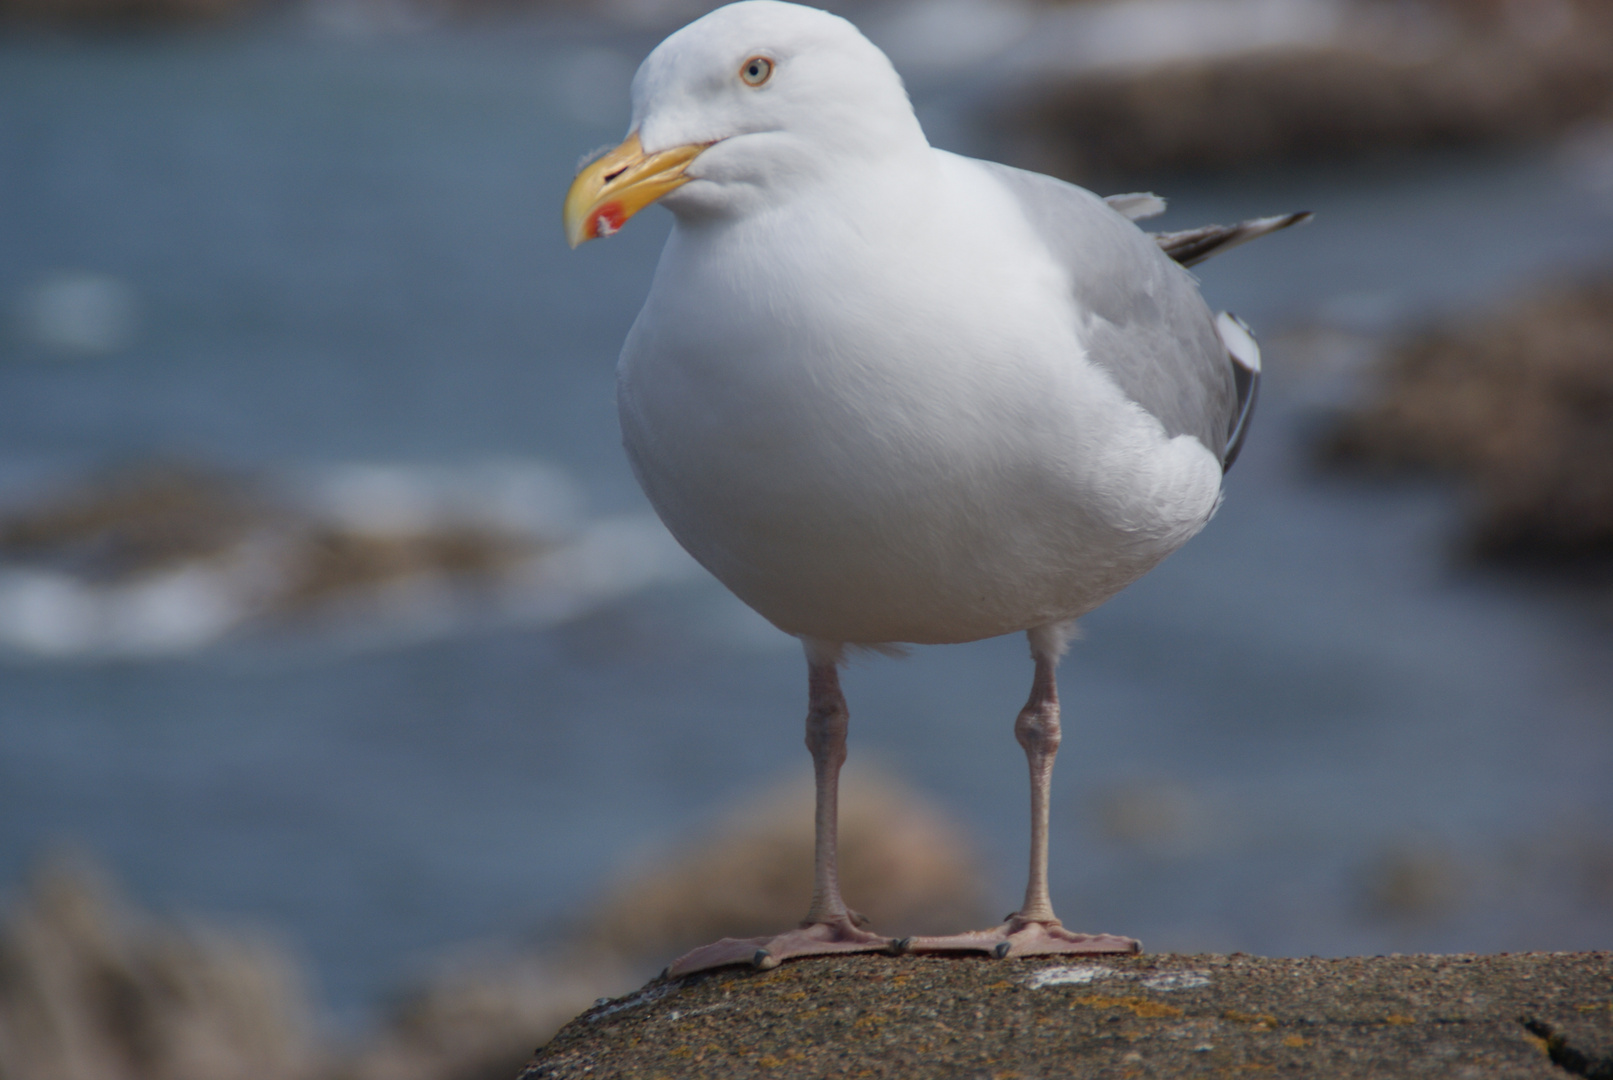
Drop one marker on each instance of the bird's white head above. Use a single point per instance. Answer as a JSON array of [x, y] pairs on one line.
[[738, 108]]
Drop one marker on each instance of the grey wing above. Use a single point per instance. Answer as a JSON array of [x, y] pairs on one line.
[[1142, 316]]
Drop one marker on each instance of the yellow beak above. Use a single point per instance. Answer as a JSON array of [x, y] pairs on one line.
[[620, 184]]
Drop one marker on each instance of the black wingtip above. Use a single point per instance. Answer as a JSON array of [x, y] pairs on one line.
[[1248, 384], [1192, 246]]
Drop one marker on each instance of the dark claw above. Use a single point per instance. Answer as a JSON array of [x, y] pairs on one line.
[[899, 945], [1001, 951], [763, 960]]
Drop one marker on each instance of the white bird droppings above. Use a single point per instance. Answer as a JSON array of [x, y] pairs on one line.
[[1081, 974], [1075, 974]]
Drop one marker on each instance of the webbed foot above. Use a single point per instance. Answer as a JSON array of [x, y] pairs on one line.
[[810, 939]]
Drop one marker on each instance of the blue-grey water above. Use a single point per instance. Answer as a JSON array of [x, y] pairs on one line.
[[347, 249]]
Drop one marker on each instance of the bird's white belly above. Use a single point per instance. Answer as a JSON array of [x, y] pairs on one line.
[[934, 466]]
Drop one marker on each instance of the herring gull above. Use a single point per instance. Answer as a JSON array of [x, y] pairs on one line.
[[887, 394]]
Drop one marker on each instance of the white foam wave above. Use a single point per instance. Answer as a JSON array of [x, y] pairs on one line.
[[553, 565], [521, 496]]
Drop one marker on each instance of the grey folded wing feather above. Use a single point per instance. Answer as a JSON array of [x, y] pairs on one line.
[[1142, 318]]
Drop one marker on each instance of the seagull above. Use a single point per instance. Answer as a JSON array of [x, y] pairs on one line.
[[890, 395]]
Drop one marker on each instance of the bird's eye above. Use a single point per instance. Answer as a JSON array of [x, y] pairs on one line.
[[756, 70]]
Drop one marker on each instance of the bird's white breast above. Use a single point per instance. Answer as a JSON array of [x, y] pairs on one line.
[[868, 413]]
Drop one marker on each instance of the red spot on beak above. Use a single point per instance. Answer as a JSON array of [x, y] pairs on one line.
[[607, 219]]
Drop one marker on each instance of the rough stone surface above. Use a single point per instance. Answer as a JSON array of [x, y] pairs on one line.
[[1539, 1015]]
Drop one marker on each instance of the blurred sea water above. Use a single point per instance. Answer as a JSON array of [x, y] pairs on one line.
[[1311, 731]]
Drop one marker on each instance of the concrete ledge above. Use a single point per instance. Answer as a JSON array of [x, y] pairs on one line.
[[1543, 1015]]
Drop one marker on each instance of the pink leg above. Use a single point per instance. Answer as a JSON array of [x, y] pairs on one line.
[[830, 927], [1034, 928], [1039, 732]]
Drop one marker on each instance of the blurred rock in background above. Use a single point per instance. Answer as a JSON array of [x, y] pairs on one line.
[[1411, 881], [1263, 82], [902, 864], [90, 990], [1519, 403], [480, 1016]]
